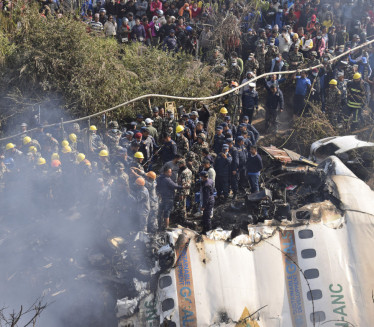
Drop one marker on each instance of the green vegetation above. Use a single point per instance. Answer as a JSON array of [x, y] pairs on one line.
[[48, 57]]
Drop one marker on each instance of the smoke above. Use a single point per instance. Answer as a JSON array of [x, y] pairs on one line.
[[54, 230]]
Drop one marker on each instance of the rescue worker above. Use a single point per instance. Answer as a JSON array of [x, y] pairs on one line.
[[138, 160], [157, 120], [142, 205], [221, 117], [104, 164], [233, 100], [112, 136], [234, 169], [183, 145], [152, 130], [242, 167], [356, 99], [219, 140], [200, 145], [169, 124]]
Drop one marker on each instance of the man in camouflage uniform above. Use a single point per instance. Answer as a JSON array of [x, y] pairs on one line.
[[260, 54], [193, 164], [295, 58], [313, 61], [184, 180], [182, 142], [217, 60], [169, 124], [342, 86], [333, 102], [112, 136], [157, 120], [233, 101], [199, 146], [272, 52], [349, 71], [251, 65], [234, 72]]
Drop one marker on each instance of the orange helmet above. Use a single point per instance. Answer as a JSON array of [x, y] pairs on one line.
[[140, 181], [233, 83], [151, 174]]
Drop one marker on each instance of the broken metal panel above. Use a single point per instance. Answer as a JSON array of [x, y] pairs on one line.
[[337, 145]]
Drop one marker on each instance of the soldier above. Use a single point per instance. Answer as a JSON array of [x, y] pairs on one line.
[[333, 102], [104, 163], [271, 53], [139, 122], [295, 58], [152, 130], [313, 61], [199, 145], [147, 144], [157, 120], [112, 136], [138, 160], [234, 72], [169, 124], [94, 143], [260, 54], [251, 65], [182, 142], [217, 60], [184, 180], [342, 86], [222, 166], [233, 100]]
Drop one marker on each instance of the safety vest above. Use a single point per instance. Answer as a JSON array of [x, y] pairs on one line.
[[355, 95]]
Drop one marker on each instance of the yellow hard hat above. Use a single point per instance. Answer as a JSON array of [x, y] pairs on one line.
[[140, 181], [73, 137], [93, 128], [10, 146], [333, 82], [33, 149], [103, 153], [295, 36], [26, 140], [139, 155], [66, 149], [179, 128], [151, 174], [81, 157], [55, 156], [223, 111], [65, 143], [41, 161], [357, 76]]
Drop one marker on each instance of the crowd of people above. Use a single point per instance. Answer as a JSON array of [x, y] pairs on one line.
[[166, 166], [283, 35], [153, 169]]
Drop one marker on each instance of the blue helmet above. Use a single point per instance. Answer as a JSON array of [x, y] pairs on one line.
[[189, 28]]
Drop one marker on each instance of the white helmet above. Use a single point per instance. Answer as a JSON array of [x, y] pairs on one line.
[[160, 12]]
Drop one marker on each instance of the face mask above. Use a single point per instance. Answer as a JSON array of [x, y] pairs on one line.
[[250, 58], [172, 116], [314, 74], [271, 43], [234, 63], [318, 37], [187, 8], [178, 134]]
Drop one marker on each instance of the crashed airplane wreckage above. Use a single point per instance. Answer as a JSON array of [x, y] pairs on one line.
[[307, 261]]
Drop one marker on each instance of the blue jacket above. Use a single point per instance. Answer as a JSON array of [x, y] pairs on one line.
[[242, 156], [235, 158], [250, 99], [166, 187], [219, 140]]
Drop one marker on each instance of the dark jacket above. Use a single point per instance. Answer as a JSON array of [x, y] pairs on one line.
[[207, 190], [219, 140], [254, 164], [169, 151], [250, 99], [274, 101], [166, 187], [222, 166]]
